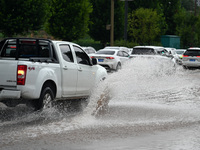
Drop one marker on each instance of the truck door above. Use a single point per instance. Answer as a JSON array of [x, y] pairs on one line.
[[86, 72], [69, 71], [8, 65]]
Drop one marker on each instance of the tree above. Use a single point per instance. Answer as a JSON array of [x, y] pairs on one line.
[[145, 25], [100, 17], [151, 4], [187, 27], [170, 8], [69, 19], [21, 16], [188, 4]]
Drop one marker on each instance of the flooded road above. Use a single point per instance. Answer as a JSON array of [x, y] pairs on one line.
[[151, 107]]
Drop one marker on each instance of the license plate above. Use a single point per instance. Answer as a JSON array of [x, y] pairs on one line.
[[192, 59], [100, 60]]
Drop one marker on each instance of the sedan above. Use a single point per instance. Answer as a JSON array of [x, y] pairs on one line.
[[111, 59], [172, 52], [180, 52], [89, 50], [191, 58], [118, 48]]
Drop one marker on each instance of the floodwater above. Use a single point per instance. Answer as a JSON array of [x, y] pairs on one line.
[[152, 106]]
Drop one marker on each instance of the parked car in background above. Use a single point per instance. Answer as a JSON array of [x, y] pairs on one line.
[[147, 51], [191, 58], [130, 50], [153, 52], [111, 59], [172, 53], [89, 49], [180, 52], [119, 48]]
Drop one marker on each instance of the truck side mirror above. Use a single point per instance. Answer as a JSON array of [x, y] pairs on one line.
[[94, 61]]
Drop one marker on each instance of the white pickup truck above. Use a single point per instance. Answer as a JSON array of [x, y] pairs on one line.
[[41, 70]]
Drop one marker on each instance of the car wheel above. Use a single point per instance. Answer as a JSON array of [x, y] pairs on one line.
[[119, 66], [46, 98]]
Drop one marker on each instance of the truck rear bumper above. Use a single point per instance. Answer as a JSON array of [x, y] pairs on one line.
[[9, 94]]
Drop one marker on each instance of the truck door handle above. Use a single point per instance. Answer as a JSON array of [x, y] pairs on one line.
[[79, 69], [65, 68]]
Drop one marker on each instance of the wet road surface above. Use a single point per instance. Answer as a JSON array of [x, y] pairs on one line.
[[151, 107]]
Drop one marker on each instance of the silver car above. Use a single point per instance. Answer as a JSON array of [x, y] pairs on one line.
[[111, 59], [148, 51], [89, 49], [191, 58], [180, 52]]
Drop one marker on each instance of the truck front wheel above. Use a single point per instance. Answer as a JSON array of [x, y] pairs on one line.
[[46, 98]]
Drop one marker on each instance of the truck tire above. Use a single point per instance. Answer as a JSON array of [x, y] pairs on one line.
[[46, 98]]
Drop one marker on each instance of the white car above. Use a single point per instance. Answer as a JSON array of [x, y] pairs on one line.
[[191, 58], [118, 48], [111, 59], [153, 52], [89, 49], [172, 52], [147, 51], [180, 52]]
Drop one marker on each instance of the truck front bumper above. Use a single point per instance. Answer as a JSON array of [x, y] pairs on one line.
[[9, 94]]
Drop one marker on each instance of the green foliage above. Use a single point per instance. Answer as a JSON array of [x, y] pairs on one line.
[[167, 8], [145, 25], [72, 19], [88, 41], [69, 19], [151, 4], [21, 16], [188, 4], [187, 28], [101, 17], [170, 8], [125, 43]]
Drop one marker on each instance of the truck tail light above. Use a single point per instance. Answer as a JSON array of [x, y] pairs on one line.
[[21, 74]]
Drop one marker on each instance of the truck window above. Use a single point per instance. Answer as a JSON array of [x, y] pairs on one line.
[[26, 50], [66, 53], [9, 51], [81, 56], [1, 44]]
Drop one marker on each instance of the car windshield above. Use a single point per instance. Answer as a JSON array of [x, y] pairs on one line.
[[143, 51], [180, 52], [192, 53], [106, 52]]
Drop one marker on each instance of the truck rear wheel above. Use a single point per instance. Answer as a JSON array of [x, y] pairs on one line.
[[46, 98]]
